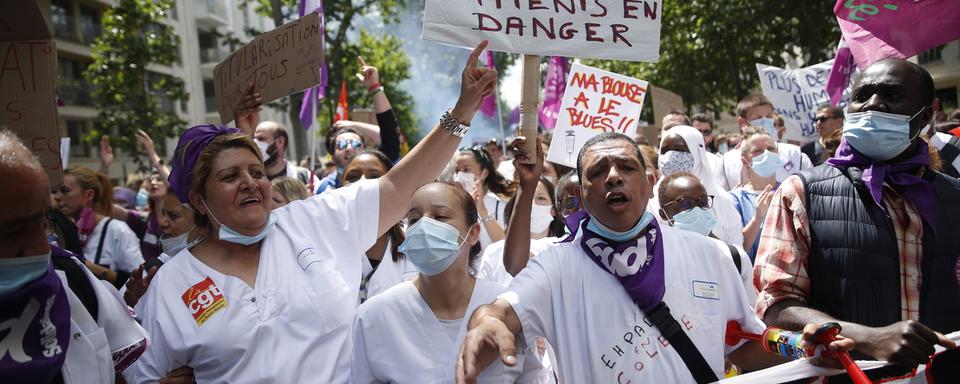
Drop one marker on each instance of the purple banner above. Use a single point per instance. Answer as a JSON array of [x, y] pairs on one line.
[[312, 96], [843, 68], [557, 69]]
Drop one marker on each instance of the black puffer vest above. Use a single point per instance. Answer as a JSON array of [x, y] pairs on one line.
[[854, 260]]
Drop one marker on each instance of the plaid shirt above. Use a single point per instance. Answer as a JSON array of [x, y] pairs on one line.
[[781, 267]]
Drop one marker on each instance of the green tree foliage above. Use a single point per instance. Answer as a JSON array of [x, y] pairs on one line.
[[709, 49], [128, 95]]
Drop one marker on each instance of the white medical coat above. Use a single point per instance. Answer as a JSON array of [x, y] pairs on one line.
[[398, 339]]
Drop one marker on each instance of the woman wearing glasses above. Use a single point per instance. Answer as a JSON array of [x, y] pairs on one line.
[[682, 150], [760, 163], [685, 204]]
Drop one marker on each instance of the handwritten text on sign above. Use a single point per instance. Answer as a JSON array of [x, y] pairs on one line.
[[280, 62], [594, 102], [28, 99], [796, 95], [601, 29]]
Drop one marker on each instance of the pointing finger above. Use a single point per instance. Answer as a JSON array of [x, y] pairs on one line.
[[475, 55], [363, 63]]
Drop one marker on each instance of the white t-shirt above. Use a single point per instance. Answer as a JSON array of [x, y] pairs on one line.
[[498, 208], [601, 336], [490, 266], [398, 339], [293, 326], [121, 248], [792, 161]]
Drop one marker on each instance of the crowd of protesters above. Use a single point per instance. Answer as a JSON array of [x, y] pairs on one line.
[[231, 263]]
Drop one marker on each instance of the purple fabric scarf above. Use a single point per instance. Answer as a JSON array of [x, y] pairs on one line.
[[641, 275], [901, 176], [34, 331]]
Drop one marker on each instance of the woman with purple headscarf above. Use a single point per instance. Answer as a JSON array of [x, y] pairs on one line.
[[269, 295]]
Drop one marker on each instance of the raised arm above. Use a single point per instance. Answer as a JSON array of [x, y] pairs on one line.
[[247, 113], [151, 150], [389, 128], [516, 248], [425, 162]]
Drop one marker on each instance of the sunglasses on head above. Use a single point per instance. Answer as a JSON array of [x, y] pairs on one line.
[[688, 203], [342, 144]]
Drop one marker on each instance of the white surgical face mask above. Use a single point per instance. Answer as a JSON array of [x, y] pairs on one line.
[[173, 245], [878, 135], [540, 218], [466, 179], [675, 161], [766, 163]]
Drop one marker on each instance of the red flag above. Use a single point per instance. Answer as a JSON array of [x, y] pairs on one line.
[[342, 105]]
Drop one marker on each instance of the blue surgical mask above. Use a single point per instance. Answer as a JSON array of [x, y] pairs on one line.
[[17, 272], [597, 227], [142, 197], [431, 245], [229, 235], [766, 164], [696, 219], [173, 245], [767, 124], [675, 161], [878, 135]]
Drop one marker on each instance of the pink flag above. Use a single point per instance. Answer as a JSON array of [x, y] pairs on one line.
[[879, 29], [312, 96], [843, 68], [557, 70], [489, 106]]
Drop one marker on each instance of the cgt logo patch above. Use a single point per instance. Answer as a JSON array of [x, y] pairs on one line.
[[204, 300]]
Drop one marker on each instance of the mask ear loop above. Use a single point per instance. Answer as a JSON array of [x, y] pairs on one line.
[[926, 128]]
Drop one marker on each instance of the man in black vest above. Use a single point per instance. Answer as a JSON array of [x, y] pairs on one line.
[[870, 238]]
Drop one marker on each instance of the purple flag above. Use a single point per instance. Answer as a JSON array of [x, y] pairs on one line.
[[312, 96], [489, 106], [843, 68], [557, 70], [888, 28]]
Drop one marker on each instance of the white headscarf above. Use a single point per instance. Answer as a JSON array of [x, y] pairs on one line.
[[701, 165]]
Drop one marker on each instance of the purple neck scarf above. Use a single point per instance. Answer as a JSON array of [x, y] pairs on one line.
[[638, 269], [34, 331], [901, 176]]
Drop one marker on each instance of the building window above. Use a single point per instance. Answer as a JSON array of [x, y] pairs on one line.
[[74, 90], [933, 55], [90, 27], [210, 101], [164, 103], [76, 130], [61, 13], [209, 51]]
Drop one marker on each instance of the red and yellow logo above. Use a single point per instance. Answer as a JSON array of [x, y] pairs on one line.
[[204, 300]]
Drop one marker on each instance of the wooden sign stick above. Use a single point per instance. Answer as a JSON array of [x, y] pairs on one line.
[[529, 104]]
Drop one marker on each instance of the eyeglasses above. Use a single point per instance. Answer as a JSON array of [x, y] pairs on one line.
[[687, 203], [356, 144], [824, 118]]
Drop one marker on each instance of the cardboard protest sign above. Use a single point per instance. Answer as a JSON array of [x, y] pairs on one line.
[[796, 95], [881, 29], [594, 102], [280, 62], [599, 29], [28, 83]]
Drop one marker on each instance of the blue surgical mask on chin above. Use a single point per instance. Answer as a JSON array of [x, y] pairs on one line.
[[229, 235], [696, 219], [767, 124], [431, 246], [878, 135], [597, 227], [17, 272]]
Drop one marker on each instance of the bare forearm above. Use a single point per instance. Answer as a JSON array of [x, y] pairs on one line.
[[516, 248], [750, 232], [499, 310], [751, 357], [793, 315]]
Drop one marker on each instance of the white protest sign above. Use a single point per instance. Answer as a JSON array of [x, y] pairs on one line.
[[278, 63], [796, 95], [599, 29], [594, 102]]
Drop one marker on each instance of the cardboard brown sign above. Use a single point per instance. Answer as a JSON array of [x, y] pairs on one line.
[[280, 62], [28, 83]]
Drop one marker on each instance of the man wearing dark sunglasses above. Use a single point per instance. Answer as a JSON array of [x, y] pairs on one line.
[[829, 120]]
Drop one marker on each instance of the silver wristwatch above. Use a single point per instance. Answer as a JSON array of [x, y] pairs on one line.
[[452, 125]]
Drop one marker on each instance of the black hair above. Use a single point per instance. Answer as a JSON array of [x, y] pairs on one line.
[[495, 182], [833, 111], [557, 226], [396, 231], [331, 139], [602, 138]]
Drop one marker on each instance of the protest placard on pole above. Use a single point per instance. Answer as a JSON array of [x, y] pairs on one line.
[[663, 102], [594, 102], [278, 63], [796, 95], [599, 29], [28, 83]]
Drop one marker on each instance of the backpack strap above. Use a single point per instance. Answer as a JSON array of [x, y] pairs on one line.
[[735, 254], [79, 283], [671, 330], [103, 236]]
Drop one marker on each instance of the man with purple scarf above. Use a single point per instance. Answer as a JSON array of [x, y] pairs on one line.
[[870, 239], [58, 322], [622, 299]]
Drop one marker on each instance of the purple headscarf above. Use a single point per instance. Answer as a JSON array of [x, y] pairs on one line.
[[191, 144], [902, 176], [127, 195]]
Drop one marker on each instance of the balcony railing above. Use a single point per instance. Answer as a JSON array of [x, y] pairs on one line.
[[76, 92]]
